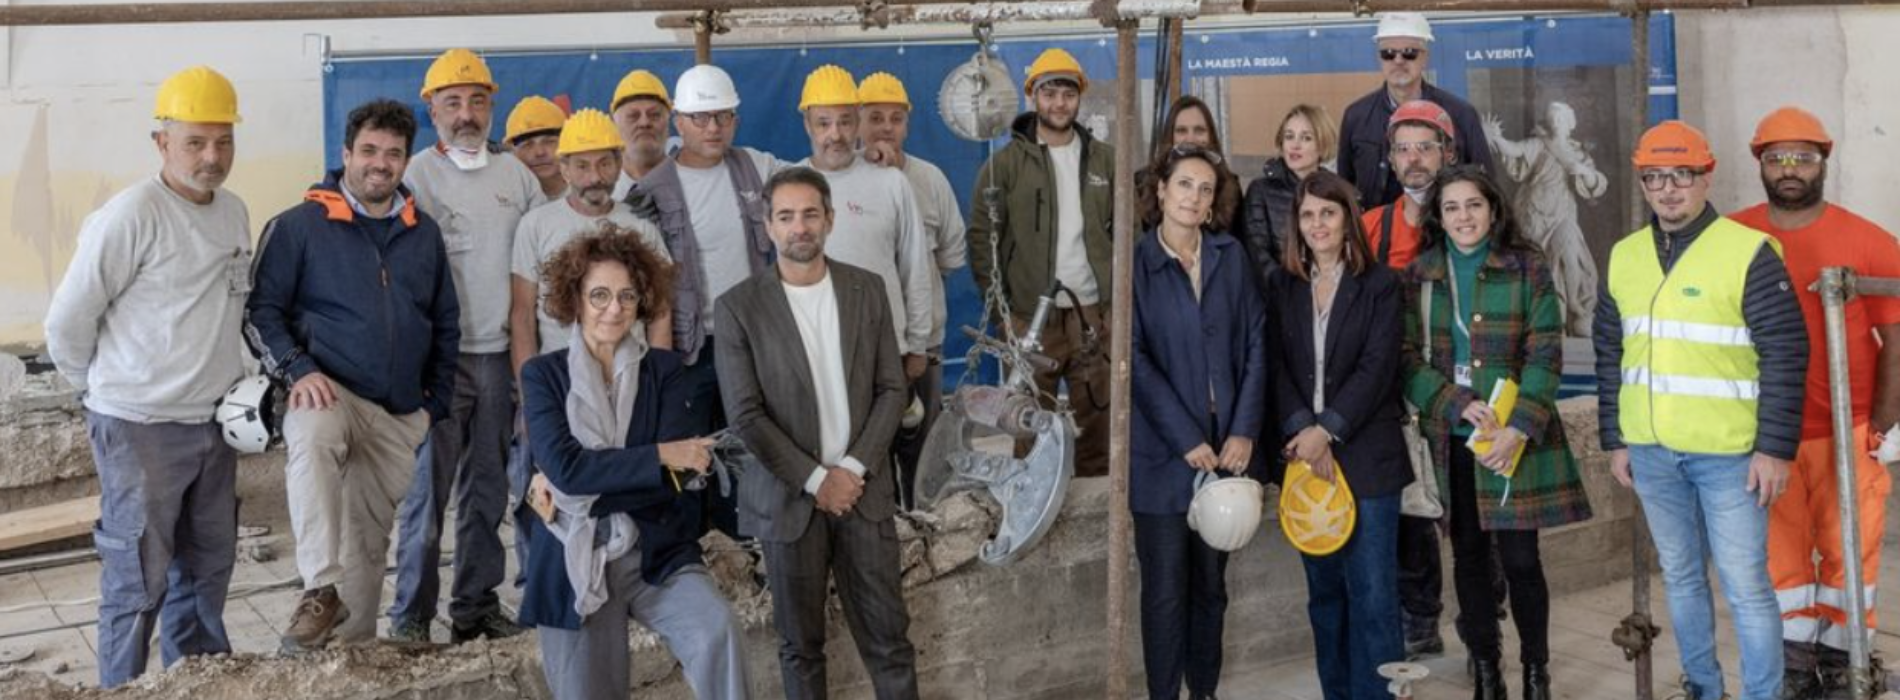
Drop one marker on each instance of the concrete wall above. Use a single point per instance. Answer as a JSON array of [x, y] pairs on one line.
[[78, 100], [1735, 67]]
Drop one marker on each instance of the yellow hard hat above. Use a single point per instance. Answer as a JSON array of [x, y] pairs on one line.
[[197, 95], [457, 67], [1316, 515], [589, 130], [883, 88], [639, 83], [532, 115], [1055, 63], [829, 86]]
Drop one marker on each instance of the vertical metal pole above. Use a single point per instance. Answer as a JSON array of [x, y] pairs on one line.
[[702, 43], [1639, 530], [1176, 79], [1121, 318], [1834, 290]]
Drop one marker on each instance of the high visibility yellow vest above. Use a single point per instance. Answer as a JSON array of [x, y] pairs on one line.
[[1690, 373]]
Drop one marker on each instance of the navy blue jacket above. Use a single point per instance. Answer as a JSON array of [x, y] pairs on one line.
[[1181, 347], [628, 480], [378, 317], [1363, 407]]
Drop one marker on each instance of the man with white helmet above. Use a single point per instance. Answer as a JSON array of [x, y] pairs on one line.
[[886, 123], [478, 194], [590, 159], [533, 132], [1405, 45], [640, 109], [147, 323]]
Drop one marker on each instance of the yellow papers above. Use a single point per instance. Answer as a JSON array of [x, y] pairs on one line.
[[1503, 401]]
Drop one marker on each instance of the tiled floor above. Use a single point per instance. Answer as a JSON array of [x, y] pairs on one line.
[[62, 636]]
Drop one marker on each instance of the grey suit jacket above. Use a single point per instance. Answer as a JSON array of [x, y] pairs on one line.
[[767, 386]]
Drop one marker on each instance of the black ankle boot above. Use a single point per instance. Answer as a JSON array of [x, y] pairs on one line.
[[1487, 681], [1537, 681]]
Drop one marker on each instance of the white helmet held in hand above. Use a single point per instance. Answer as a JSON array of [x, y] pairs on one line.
[[245, 415], [1226, 511]]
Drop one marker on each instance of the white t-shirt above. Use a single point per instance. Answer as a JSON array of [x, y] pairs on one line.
[[815, 310], [718, 226], [943, 224], [148, 319], [876, 226], [543, 232], [1072, 254]]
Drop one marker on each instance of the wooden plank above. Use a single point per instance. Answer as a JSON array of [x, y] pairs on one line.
[[59, 521]]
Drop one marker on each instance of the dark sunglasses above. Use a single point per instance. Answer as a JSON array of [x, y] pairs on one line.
[[1396, 54]]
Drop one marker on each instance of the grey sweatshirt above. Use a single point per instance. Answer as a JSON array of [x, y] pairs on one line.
[[479, 211], [148, 318]]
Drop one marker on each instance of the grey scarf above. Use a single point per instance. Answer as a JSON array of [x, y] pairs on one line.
[[597, 416]]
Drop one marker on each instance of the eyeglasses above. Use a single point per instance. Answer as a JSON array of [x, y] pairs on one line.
[[1423, 148], [1653, 180], [1791, 159], [598, 297], [1396, 54], [701, 119]]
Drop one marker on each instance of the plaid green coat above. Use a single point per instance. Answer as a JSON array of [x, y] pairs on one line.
[[1517, 332]]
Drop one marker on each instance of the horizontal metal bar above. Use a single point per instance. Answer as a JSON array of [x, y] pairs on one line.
[[191, 12], [953, 14]]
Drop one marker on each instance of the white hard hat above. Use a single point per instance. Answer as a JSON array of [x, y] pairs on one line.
[[704, 88], [245, 415], [1402, 25], [1226, 511]]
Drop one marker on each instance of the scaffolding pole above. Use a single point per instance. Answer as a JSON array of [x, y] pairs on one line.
[[1836, 285], [1120, 327]]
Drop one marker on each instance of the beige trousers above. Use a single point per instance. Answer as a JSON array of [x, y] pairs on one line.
[[349, 466]]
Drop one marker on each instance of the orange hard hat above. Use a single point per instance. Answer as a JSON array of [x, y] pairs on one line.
[[1673, 144], [1790, 124]]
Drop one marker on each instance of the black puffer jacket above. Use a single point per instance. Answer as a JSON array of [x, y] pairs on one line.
[[1268, 216]]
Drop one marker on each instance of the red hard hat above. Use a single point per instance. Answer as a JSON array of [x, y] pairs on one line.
[[1424, 112]]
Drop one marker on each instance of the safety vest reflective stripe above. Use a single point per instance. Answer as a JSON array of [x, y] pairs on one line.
[[1710, 333], [1704, 387]]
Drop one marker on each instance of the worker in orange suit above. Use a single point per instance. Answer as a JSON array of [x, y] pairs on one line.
[[1793, 149]]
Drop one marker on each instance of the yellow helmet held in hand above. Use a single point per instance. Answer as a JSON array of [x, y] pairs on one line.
[[883, 89], [532, 115], [1316, 515], [457, 67], [197, 95], [829, 86], [589, 130], [639, 83], [1053, 64]]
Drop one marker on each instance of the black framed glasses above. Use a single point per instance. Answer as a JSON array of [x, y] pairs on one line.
[[723, 118], [599, 297], [1791, 159], [1653, 180], [1409, 54]]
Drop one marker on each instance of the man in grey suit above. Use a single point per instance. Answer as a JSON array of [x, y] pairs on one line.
[[812, 380]]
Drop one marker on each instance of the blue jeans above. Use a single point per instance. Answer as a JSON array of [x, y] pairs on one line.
[[167, 540], [1183, 606], [464, 457], [1699, 507], [1353, 602]]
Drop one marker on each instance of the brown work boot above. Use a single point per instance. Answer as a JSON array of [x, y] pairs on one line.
[[315, 621]]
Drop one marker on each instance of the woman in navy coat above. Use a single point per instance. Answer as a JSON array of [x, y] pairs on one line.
[[613, 525], [1199, 390]]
